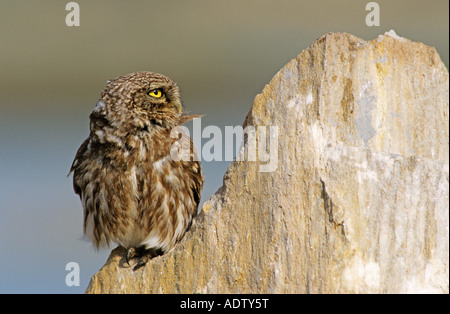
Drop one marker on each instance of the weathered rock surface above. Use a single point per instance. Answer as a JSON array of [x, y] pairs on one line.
[[359, 200]]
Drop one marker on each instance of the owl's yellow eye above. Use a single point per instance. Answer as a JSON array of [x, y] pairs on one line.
[[157, 93]]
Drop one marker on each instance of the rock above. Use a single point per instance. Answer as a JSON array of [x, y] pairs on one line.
[[356, 195]]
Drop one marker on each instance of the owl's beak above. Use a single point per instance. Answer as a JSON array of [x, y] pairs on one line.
[[177, 105]]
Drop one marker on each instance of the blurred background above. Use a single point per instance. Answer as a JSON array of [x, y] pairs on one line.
[[221, 54]]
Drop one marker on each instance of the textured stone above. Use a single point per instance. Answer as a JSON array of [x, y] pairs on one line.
[[359, 199]]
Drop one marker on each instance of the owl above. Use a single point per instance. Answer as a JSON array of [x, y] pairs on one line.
[[138, 188]]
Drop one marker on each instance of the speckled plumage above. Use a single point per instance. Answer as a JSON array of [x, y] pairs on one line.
[[134, 191]]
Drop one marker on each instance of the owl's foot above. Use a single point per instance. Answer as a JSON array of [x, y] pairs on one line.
[[147, 255], [142, 261], [131, 253], [142, 255]]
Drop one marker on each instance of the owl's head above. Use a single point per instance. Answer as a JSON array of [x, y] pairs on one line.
[[140, 100]]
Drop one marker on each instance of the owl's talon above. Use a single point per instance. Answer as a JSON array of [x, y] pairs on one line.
[[142, 261], [131, 253]]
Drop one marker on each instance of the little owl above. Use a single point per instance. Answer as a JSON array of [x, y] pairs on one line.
[[136, 189]]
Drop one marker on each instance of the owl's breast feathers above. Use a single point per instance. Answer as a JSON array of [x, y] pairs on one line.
[[134, 191]]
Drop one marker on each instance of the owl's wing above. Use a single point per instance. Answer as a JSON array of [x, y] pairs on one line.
[[76, 162], [192, 166], [196, 175], [197, 186]]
